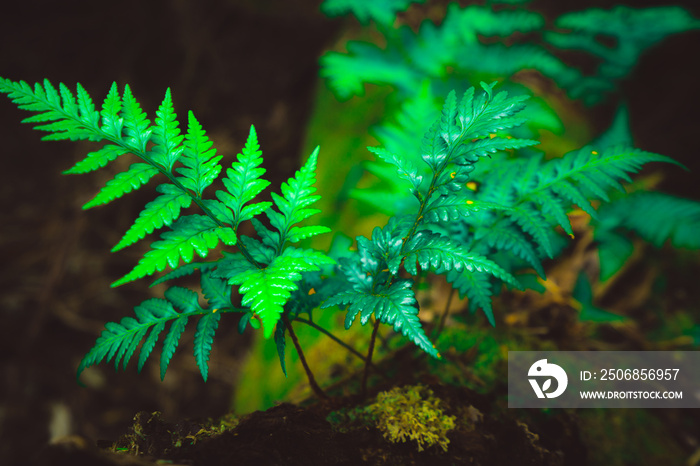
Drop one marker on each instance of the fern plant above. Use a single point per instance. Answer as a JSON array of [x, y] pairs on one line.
[[476, 227], [527, 195], [264, 270], [453, 50]]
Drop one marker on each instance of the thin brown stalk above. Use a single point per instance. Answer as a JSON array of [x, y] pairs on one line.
[[443, 316], [312, 381], [368, 361]]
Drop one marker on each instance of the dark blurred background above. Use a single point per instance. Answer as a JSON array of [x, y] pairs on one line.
[[234, 63]]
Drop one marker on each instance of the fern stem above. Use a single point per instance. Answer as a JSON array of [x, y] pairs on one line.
[[312, 381], [333, 337], [368, 361], [443, 316]]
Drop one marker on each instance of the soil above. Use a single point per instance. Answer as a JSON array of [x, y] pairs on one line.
[[291, 435], [237, 62]]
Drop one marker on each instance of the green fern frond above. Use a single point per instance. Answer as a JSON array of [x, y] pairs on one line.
[[440, 254], [395, 305], [138, 175], [188, 234], [655, 217], [475, 117], [281, 343], [455, 206], [172, 340], [158, 213], [112, 121], [216, 291], [478, 288], [243, 182], [575, 179], [203, 339], [184, 299], [120, 340], [348, 73], [266, 271], [633, 30], [531, 221], [381, 11], [96, 160], [166, 135], [404, 166], [297, 195], [201, 164], [503, 237], [259, 252], [185, 270], [63, 118], [266, 290], [137, 127]]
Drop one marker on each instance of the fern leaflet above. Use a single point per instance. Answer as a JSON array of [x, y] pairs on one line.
[[189, 234], [243, 183]]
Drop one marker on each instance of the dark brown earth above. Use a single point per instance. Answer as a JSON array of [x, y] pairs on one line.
[[236, 63]]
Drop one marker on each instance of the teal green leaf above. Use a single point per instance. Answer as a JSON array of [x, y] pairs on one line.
[[506, 238], [281, 343], [171, 342], [584, 295], [216, 291], [297, 234], [613, 252], [219, 210], [574, 179], [477, 287], [86, 108], [471, 150], [269, 238], [184, 299], [203, 340], [159, 310], [260, 252], [394, 306], [454, 206], [119, 340], [347, 73], [149, 344], [656, 217], [441, 254], [532, 222], [231, 265]]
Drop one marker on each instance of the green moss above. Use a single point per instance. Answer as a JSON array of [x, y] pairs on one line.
[[412, 413]]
